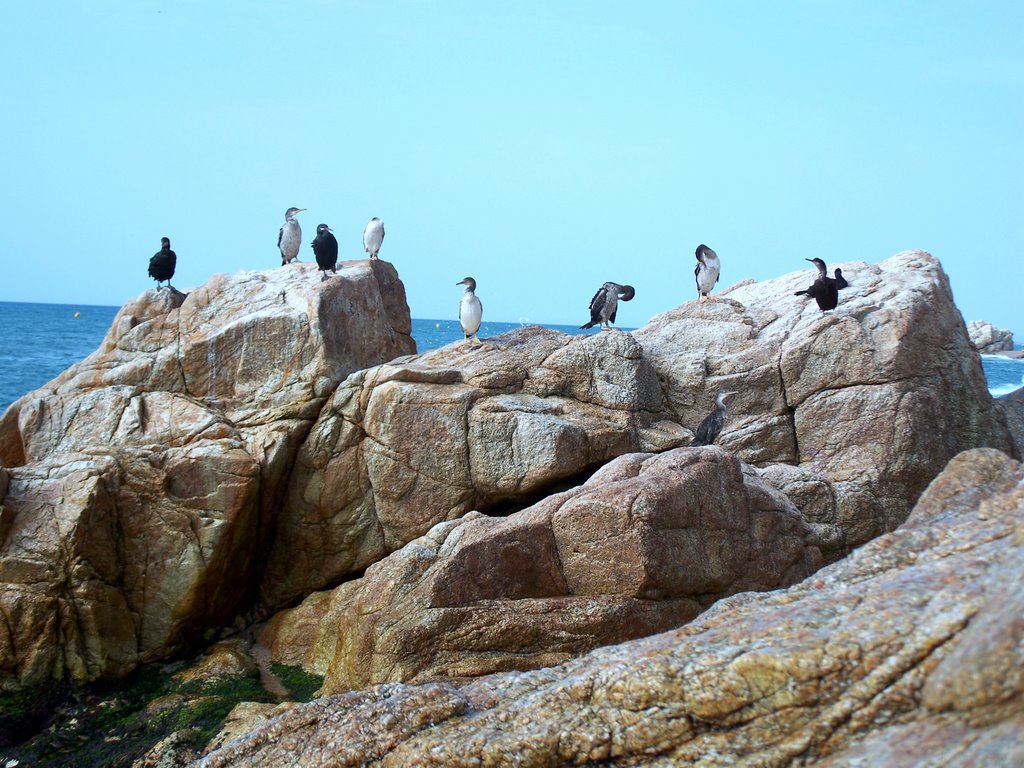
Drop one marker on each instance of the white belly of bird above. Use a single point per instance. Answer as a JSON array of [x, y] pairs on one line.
[[373, 238], [708, 276], [470, 313], [290, 241]]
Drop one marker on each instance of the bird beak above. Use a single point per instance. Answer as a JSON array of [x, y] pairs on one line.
[[811, 260]]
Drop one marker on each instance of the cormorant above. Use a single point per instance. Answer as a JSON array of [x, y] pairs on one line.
[[162, 263], [825, 289], [708, 430], [373, 237], [839, 280], [707, 271], [470, 309], [290, 237], [325, 248], [605, 304]]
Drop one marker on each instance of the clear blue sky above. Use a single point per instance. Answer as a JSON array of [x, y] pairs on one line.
[[542, 148]]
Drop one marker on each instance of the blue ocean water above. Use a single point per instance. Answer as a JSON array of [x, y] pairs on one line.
[[38, 341]]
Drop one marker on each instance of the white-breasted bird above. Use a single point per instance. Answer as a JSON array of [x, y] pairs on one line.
[[709, 429], [373, 237], [471, 311], [707, 271], [290, 237], [605, 303]]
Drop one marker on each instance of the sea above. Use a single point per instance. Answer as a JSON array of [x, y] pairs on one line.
[[38, 341]]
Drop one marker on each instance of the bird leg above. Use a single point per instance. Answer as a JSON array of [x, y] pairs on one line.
[[323, 276]]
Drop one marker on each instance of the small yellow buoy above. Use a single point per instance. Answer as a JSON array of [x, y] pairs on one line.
[[78, 314]]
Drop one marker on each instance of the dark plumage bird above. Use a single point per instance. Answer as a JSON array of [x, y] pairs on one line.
[[162, 263], [605, 304], [325, 248], [707, 271], [839, 280], [708, 430], [824, 290]]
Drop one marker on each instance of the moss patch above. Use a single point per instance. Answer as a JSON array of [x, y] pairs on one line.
[[302, 685]]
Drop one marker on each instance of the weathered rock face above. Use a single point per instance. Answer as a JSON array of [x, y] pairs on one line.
[[406, 445], [1012, 406], [852, 412], [908, 652], [639, 548], [144, 481], [988, 339]]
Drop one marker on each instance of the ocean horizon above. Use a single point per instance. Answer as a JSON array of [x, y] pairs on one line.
[[39, 341]]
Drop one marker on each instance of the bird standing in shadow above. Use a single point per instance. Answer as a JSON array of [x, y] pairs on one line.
[[708, 430], [373, 237], [706, 272], [471, 311], [824, 290], [290, 237], [163, 262], [605, 304], [325, 248]]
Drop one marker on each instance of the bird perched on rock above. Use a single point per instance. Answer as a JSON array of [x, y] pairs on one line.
[[708, 430], [471, 311], [290, 237], [325, 248], [605, 304], [162, 263], [824, 290], [373, 237], [839, 280], [707, 271]]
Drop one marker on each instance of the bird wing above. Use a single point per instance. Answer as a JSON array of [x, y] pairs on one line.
[[280, 236], [596, 304], [696, 274]]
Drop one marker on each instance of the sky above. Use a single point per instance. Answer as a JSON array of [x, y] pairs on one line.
[[540, 147]]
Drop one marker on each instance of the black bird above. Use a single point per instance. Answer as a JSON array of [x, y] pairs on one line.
[[824, 290], [708, 430], [325, 248], [605, 304], [162, 263], [839, 280]]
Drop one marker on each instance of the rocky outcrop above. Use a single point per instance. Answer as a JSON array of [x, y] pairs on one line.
[[908, 652], [146, 480], [852, 412], [1012, 406], [642, 546], [404, 446], [988, 339]]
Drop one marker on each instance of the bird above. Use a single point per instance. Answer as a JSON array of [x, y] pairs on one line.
[[325, 248], [290, 237], [708, 430], [605, 303], [162, 263], [839, 280], [824, 290], [470, 309], [707, 271], [373, 236]]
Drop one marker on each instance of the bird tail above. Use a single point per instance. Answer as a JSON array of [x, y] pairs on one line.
[[588, 325], [802, 293]]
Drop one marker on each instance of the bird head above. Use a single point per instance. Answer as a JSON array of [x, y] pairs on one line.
[[292, 211], [469, 282], [320, 228], [702, 251], [165, 242], [626, 292], [818, 263], [720, 400]]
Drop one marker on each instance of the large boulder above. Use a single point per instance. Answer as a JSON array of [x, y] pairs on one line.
[[906, 653], [145, 481], [850, 412], [642, 546], [988, 339], [406, 445]]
